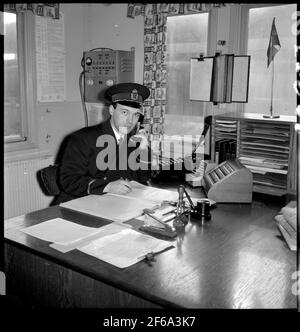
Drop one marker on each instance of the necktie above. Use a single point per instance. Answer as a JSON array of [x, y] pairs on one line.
[[120, 140]]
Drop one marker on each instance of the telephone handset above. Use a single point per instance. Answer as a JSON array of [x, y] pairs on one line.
[[138, 126], [137, 129]]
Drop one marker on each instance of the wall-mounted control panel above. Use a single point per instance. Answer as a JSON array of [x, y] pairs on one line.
[[105, 68]]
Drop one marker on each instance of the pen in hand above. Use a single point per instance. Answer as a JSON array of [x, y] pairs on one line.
[[127, 183]]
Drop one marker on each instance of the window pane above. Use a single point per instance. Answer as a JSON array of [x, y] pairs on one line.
[[186, 38], [12, 108], [284, 96]]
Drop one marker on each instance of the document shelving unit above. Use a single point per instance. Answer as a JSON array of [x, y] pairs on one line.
[[225, 138], [265, 146]]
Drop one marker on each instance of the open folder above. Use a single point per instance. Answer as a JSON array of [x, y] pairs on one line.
[[109, 206], [121, 208]]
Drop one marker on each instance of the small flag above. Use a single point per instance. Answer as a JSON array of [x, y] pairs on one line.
[[274, 43]]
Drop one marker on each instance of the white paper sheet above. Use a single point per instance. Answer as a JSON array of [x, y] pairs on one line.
[[124, 248], [109, 206], [200, 79], [60, 231], [153, 194], [105, 230], [240, 78], [50, 59]]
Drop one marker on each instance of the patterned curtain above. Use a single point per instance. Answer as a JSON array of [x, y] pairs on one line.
[[135, 9], [155, 52], [40, 9], [155, 73]]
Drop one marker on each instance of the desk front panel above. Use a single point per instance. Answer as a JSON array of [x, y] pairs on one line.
[[237, 260]]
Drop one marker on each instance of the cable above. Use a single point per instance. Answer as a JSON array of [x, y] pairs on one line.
[[82, 99]]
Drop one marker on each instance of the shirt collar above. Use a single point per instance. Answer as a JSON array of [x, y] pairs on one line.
[[117, 134]]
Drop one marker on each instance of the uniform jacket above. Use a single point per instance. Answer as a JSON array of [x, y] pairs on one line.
[[79, 167]]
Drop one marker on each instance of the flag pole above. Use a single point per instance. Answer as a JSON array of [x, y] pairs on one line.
[[271, 116], [272, 89]]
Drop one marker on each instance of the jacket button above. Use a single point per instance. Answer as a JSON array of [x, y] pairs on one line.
[[105, 178]]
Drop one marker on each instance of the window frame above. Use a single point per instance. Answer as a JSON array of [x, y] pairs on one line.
[[27, 72], [245, 22], [244, 26], [210, 40]]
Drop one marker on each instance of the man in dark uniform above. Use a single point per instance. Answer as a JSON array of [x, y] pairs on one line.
[[93, 161]]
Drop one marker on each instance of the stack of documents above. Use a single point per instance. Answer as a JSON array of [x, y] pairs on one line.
[[226, 126], [264, 162], [116, 244], [66, 235], [286, 222], [125, 248], [60, 231]]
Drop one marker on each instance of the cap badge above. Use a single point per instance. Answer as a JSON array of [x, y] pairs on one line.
[[134, 94]]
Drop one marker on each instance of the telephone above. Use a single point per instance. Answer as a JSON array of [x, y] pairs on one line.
[[195, 178], [176, 167]]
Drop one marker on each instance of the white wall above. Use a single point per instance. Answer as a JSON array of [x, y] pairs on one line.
[[129, 32], [87, 26]]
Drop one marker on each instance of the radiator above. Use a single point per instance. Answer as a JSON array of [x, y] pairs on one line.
[[22, 193]]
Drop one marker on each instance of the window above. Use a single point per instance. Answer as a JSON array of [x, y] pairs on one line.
[[18, 89], [186, 38], [13, 127], [284, 95]]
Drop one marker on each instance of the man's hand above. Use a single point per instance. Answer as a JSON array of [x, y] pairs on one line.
[[142, 138], [121, 187]]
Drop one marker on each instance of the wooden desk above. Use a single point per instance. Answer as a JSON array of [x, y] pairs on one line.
[[237, 260]]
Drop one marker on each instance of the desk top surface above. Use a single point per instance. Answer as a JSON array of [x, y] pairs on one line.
[[236, 260]]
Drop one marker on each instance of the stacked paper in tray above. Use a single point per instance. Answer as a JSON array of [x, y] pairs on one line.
[[287, 224]]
